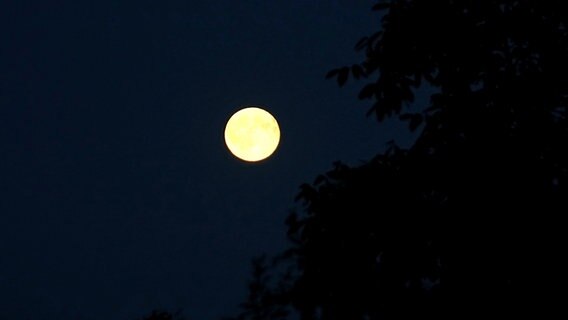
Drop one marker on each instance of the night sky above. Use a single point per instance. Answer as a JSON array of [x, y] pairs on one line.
[[117, 193]]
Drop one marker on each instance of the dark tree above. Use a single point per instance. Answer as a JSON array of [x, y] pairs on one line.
[[267, 299], [466, 222]]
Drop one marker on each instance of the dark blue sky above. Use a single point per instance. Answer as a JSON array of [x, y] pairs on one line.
[[117, 194]]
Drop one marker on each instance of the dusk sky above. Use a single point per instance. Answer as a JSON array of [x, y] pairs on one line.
[[117, 193]]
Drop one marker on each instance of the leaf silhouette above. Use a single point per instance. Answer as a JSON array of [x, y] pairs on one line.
[[342, 76]]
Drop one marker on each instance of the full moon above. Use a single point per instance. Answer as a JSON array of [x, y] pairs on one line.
[[252, 134]]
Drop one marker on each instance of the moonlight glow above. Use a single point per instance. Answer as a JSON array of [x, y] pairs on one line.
[[252, 134]]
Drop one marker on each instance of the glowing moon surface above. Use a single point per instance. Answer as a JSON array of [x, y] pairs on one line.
[[252, 134]]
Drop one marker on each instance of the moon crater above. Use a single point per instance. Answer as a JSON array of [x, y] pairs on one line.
[[252, 134]]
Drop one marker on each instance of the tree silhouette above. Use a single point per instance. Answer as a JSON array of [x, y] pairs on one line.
[[267, 300], [467, 221]]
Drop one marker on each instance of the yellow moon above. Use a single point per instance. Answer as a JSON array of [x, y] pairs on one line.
[[252, 134]]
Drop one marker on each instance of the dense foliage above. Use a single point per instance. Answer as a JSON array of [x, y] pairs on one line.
[[467, 221]]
